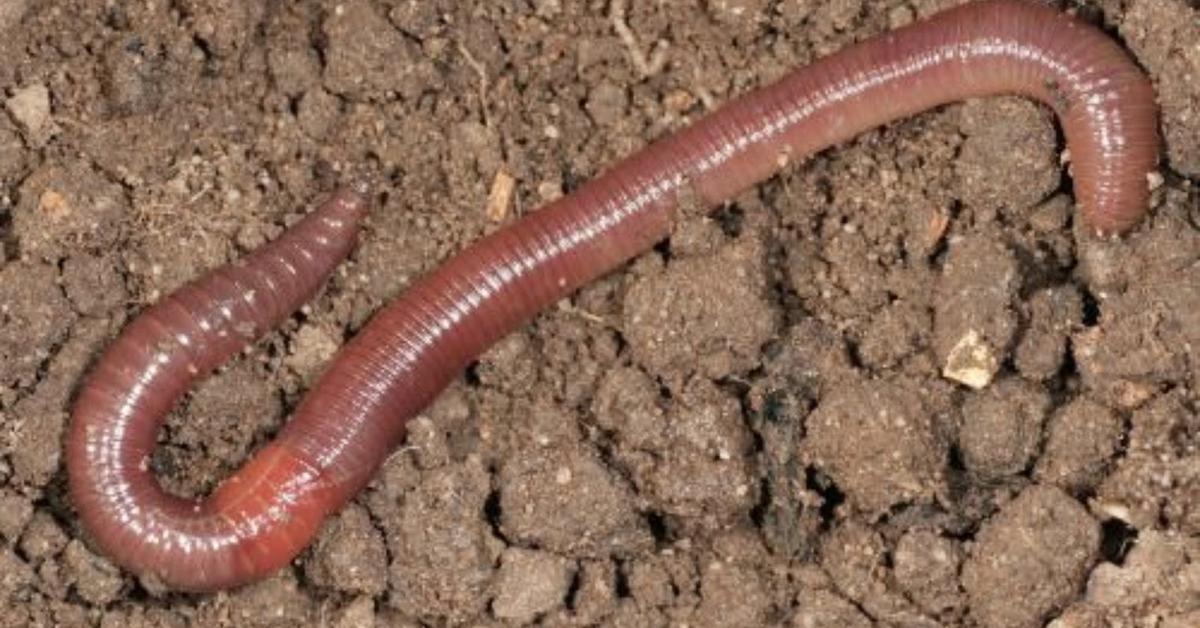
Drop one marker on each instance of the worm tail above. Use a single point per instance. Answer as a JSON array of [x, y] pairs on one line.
[[151, 365]]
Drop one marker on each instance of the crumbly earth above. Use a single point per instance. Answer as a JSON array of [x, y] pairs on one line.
[[895, 385]]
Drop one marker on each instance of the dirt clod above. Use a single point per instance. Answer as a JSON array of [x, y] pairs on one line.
[[927, 567], [1159, 476], [366, 59], [824, 608], [30, 109], [699, 468], [530, 583], [97, 580], [66, 208], [1054, 313], [15, 512], [565, 500], [1030, 559], [273, 603], [11, 13], [1008, 158], [709, 314], [93, 284], [1002, 428], [15, 573], [877, 441], [43, 538], [732, 595], [854, 557], [1157, 582], [1163, 35], [442, 551], [350, 555], [34, 318], [1081, 440]]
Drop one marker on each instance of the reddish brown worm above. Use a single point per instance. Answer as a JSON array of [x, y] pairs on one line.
[[354, 416]]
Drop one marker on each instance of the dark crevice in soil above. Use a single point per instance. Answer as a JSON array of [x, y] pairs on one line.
[[954, 460], [1068, 371], [471, 375], [210, 68], [1117, 539], [663, 248], [758, 513], [493, 513], [854, 355], [657, 524], [573, 589], [1091, 308], [730, 218], [831, 495], [621, 584]]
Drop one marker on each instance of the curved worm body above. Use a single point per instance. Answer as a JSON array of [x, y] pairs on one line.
[[354, 416]]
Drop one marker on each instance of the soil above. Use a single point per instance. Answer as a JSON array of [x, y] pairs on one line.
[[895, 385]]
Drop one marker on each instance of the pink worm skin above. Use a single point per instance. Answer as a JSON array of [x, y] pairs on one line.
[[354, 417]]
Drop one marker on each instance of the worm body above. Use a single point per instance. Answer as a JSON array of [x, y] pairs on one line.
[[354, 416]]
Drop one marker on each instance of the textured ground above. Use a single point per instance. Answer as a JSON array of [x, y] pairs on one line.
[[748, 426]]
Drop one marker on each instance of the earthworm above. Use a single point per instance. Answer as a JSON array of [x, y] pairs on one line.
[[354, 415]]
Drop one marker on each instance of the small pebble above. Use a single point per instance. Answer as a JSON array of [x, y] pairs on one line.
[[30, 109]]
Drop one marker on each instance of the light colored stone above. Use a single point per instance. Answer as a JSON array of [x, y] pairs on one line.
[[971, 362], [30, 109]]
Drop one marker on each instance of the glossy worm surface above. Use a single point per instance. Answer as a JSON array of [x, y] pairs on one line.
[[354, 416]]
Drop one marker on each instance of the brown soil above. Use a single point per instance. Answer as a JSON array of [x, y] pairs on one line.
[[757, 424]]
